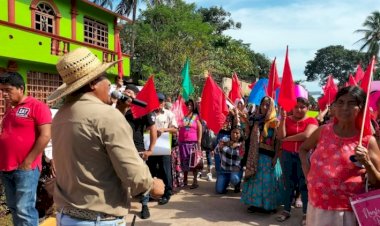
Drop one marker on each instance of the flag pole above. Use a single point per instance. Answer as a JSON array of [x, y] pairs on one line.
[[366, 102]]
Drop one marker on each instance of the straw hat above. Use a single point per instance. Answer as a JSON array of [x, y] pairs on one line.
[[77, 68]]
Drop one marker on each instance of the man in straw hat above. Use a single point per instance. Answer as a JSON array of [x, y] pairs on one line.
[[96, 161], [24, 133]]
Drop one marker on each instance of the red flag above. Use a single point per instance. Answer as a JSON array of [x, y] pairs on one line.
[[351, 80], [365, 85], [251, 85], [120, 70], [149, 95], [287, 97], [322, 103], [213, 105], [273, 82], [235, 92], [359, 74], [330, 90]]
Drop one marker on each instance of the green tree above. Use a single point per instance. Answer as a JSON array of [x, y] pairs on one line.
[[104, 3], [261, 65], [335, 60], [167, 35], [371, 32], [218, 18], [169, 31]]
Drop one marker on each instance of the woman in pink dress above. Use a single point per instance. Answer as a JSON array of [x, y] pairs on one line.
[[189, 138], [338, 164]]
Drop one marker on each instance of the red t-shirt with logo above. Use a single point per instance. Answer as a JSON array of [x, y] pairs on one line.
[[19, 132], [294, 127]]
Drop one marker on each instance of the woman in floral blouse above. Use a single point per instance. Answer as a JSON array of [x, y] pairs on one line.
[[333, 175]]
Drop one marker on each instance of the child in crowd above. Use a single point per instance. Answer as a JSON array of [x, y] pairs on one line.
[[231, 152]]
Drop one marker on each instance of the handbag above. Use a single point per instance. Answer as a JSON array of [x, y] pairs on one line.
[[366, 207], [196, 158]]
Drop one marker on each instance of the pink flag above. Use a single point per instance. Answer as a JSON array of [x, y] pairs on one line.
[[179, 109]]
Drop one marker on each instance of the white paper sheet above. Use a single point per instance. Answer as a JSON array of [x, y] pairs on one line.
[[163, 144]]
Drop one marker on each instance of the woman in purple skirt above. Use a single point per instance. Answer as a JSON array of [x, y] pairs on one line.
[[190, 136]]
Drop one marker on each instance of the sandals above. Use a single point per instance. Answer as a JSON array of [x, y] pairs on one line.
[[283, 216], [194, 186]]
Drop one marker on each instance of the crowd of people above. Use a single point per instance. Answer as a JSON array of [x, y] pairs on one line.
[[272, 157]]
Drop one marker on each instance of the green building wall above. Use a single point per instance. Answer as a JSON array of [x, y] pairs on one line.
[[4, 10], [32, 51]]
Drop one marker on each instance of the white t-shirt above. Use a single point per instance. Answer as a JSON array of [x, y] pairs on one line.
[[165, 119]]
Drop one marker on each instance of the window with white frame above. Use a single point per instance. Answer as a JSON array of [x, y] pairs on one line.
[[45, 18]]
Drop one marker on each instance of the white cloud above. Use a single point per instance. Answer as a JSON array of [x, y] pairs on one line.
[[304, 25]]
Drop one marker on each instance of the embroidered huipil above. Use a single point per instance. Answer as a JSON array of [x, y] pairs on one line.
[[333, 178], [188, 130]]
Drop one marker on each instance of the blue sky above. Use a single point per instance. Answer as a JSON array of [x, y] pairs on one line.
[[305, 25]]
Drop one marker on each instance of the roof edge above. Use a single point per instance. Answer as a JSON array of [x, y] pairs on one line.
[[107, 10]]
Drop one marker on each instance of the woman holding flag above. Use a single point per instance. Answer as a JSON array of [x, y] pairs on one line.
[[293, 131], [339, 162], [261, 189]]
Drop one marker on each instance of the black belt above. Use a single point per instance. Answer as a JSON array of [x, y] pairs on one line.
[[267, 152], [87, 214]]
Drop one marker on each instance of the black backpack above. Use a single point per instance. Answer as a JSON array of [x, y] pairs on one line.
[[208, 138]]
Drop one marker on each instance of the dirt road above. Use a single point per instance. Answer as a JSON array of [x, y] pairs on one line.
[[202, 207]]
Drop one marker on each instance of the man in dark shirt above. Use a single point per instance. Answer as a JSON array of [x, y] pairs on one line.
[[139, 126]]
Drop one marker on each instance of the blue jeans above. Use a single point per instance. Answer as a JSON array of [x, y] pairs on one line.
[[144, 199], [65, 220], [224, 178], [293, 175], [217, 160], [209, 159], [20, 191]]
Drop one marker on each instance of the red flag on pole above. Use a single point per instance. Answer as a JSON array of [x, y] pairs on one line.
[[359, 74], [287, 97], [351, 81], [273, 82], [120, 70], [235, 92], [364, 120], [149, 95], [330, 90], [213, 105]]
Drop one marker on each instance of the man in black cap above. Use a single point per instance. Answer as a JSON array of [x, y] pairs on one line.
[[160, 166], [139, 126]]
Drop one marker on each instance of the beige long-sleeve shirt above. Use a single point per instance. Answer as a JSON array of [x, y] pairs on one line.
[[95, 158]]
